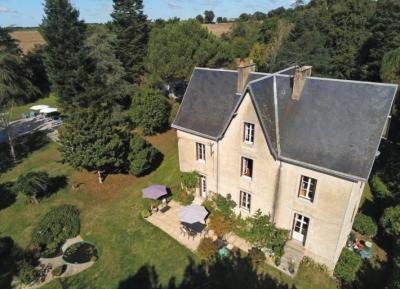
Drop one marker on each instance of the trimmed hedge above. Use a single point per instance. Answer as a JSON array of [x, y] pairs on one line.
[[365, 225], [348, 265], [56, 227]]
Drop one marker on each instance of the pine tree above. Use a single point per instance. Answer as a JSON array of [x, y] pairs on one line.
[[91, 141], [7, 43], [64, 35], [102, 75], [130, 26]]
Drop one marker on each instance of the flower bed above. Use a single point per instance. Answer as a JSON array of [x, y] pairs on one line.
[[80, 253]]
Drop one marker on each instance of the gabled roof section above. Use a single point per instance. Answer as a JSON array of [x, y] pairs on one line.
[[335, 127], [209, 101]]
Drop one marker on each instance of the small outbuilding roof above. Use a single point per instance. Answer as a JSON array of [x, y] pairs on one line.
[[336, 125]]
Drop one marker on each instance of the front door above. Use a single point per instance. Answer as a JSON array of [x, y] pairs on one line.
[[203, 187], [300, 227]]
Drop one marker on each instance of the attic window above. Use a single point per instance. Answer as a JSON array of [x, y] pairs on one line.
[[248, 133]]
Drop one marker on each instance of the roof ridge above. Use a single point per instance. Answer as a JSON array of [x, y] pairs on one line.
[[278, 141], [215, 69]]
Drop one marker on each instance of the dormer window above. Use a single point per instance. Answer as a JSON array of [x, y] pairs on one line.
[[201, 152], [248, 133], [247, 168], [307, 188]]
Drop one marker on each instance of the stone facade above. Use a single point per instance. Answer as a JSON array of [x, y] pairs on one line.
[[274, 185]]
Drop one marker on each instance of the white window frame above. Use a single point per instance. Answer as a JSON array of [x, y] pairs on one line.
[[245, 201], [308, 185], [203, 186], [200, 152], [249, 132], [304, 225], [243, 166]]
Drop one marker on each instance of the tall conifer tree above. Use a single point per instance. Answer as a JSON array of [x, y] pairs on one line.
[[64, 34], [130, 26]]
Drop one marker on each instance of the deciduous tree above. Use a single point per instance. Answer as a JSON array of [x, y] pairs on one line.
[[149, 110], [209, 16], [176, 48]]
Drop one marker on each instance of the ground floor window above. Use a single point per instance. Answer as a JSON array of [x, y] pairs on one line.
[[203, 186], [300, 227], [245, 201]]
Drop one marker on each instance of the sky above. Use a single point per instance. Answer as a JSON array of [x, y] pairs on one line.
[[30, 12]]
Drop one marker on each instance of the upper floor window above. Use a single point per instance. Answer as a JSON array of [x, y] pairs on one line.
[[201, 151], [245, 201], [247, 167], [307, 188], [248, 133]]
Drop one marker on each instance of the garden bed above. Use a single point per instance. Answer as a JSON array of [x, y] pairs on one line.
[[80, 253]]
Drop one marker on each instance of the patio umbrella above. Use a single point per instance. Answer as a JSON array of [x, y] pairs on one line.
[[38, 107], [154, 192], [192, 214]]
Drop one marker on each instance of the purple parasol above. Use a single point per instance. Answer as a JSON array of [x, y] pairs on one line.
[[154, 192], [193, 214]]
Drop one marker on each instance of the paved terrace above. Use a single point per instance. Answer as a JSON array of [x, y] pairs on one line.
[[170, 224]]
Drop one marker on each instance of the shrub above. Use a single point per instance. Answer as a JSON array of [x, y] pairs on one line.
[[262, 233], [58, 271], [209, 205], [220, 224], [365, 225], [150, 110], [57, 226], [207, 248], [27, 273], [257, 256], [225, 205], [33, 184], [390, 221], [174, 111], [189, 180], [347, 266], [184, 198], [379, 188], [142, 157], [145, 213]]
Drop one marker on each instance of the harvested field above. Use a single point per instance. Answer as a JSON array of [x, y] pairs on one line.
[[219, 29], [28, 39]]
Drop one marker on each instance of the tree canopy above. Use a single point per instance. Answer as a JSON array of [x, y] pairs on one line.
[[91, 141], [130, 25], [64, 34], [176, 48], [150, 110]]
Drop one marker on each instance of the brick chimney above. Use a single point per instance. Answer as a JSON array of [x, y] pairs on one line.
[[299, 79], [244, 70]]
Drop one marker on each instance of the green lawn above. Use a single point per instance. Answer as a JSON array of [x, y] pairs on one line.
[[18, 110], [111, 219]]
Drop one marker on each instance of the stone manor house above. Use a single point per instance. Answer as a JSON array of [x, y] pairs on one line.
[[300, 148]]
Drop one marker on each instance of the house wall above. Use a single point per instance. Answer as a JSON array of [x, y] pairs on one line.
[[275, 185], [232, 148], [329, 211], [188, 157]]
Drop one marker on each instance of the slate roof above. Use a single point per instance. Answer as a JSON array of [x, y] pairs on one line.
[[335, 127]]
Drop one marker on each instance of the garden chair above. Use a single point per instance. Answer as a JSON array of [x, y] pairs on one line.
[[183, 230]]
